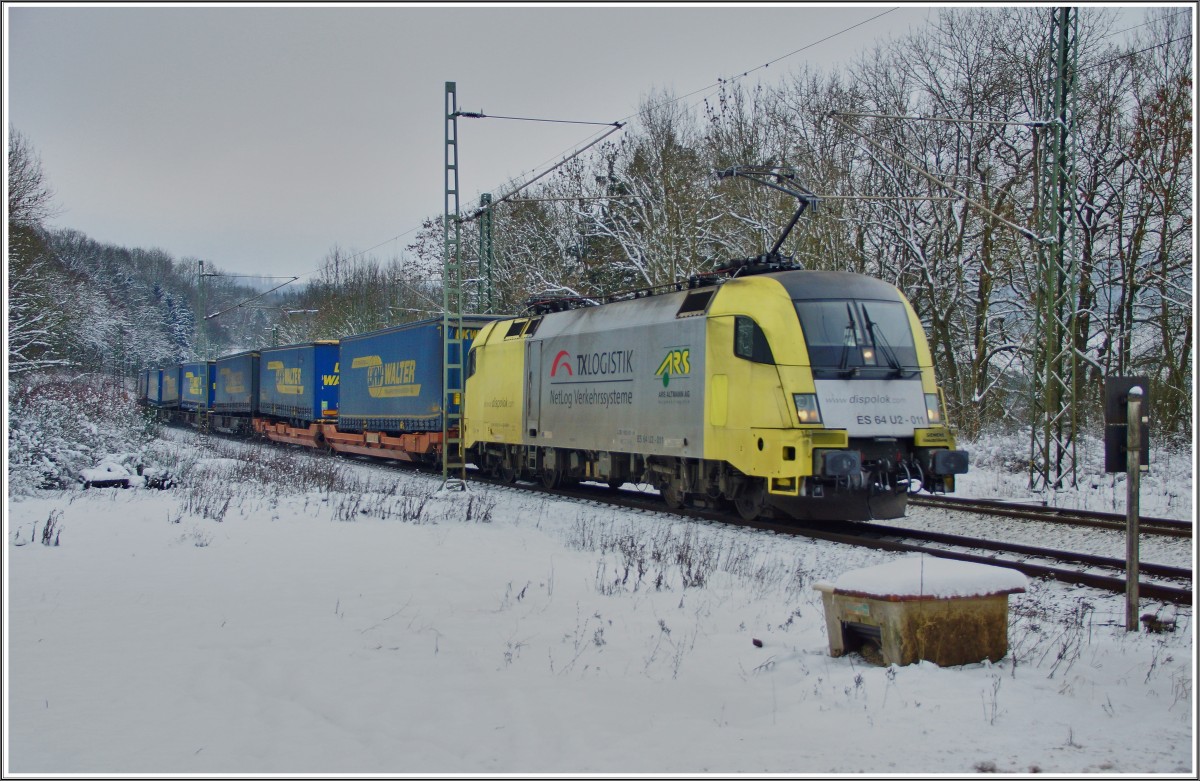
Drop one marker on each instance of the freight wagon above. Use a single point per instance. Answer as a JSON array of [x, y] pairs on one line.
[[392, 401], [235, 395], [196, 386], [297, 392]]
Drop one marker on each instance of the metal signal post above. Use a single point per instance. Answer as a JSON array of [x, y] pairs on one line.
[[1133, 465]]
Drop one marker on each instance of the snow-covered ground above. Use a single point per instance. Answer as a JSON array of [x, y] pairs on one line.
[[279, 613]]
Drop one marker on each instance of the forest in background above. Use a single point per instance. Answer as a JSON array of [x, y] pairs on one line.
[[646, 209]]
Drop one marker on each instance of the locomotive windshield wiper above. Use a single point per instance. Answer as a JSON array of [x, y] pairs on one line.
[[882, 342], [847, 341]]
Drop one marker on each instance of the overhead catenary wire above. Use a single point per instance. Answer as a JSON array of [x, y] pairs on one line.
[[722, 81], [1014, 123], [1134, 54], [718, 83], [248, 300], [833, 115], [476, 214], [481, 115]]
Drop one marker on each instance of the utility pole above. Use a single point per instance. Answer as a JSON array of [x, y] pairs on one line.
[[454, 467], [1054, 424]]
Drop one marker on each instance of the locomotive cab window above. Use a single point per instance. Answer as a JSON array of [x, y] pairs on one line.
[[472, 362], [750, 342], [852, 337], [515, 328]]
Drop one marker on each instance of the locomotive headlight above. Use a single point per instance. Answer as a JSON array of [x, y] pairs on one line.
[[933, 409], [806, 407]]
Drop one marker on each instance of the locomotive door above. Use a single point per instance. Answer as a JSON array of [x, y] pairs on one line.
[[533, 387]]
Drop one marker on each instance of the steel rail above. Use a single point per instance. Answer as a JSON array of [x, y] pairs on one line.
[[864, 535], [1168, 527]]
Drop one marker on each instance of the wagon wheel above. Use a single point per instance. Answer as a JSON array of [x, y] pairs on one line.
[[751, 500]]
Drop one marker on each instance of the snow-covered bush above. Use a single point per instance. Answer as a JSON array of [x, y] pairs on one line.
[[58, 426], [1000, 469]]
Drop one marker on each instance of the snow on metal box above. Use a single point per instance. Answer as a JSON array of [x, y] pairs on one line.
[[196, 385], [393, 377], [300, 381], [627, 377], [236, 383]]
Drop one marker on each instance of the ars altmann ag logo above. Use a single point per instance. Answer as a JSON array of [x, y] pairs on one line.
[[676, 363]]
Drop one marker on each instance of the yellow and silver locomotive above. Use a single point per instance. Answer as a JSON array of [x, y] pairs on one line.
[[811, 393]]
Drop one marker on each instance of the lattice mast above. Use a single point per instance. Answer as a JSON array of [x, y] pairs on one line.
[[487, 253], [1052, 441], [454, 467]]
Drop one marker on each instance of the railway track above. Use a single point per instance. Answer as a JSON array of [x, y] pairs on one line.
[[1169, 527], [1155, 582], [1080, 568]]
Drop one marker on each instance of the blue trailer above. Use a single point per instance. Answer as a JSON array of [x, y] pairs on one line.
[[392, 378], [196, 385], [169, 396], [151, 390], [299, 383], [235, 395], [236, 390]]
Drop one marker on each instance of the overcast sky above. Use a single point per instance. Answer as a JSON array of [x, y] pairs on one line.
[[259, 138]]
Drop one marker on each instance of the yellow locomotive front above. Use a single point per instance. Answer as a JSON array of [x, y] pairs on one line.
[[821, 395]]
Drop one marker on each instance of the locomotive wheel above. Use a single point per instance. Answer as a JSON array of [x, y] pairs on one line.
[[751, 501], [507, 472], [551, 478], [672, 494]]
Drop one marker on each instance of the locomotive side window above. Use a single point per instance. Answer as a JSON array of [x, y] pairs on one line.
[[750, 342], [471, 362]]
